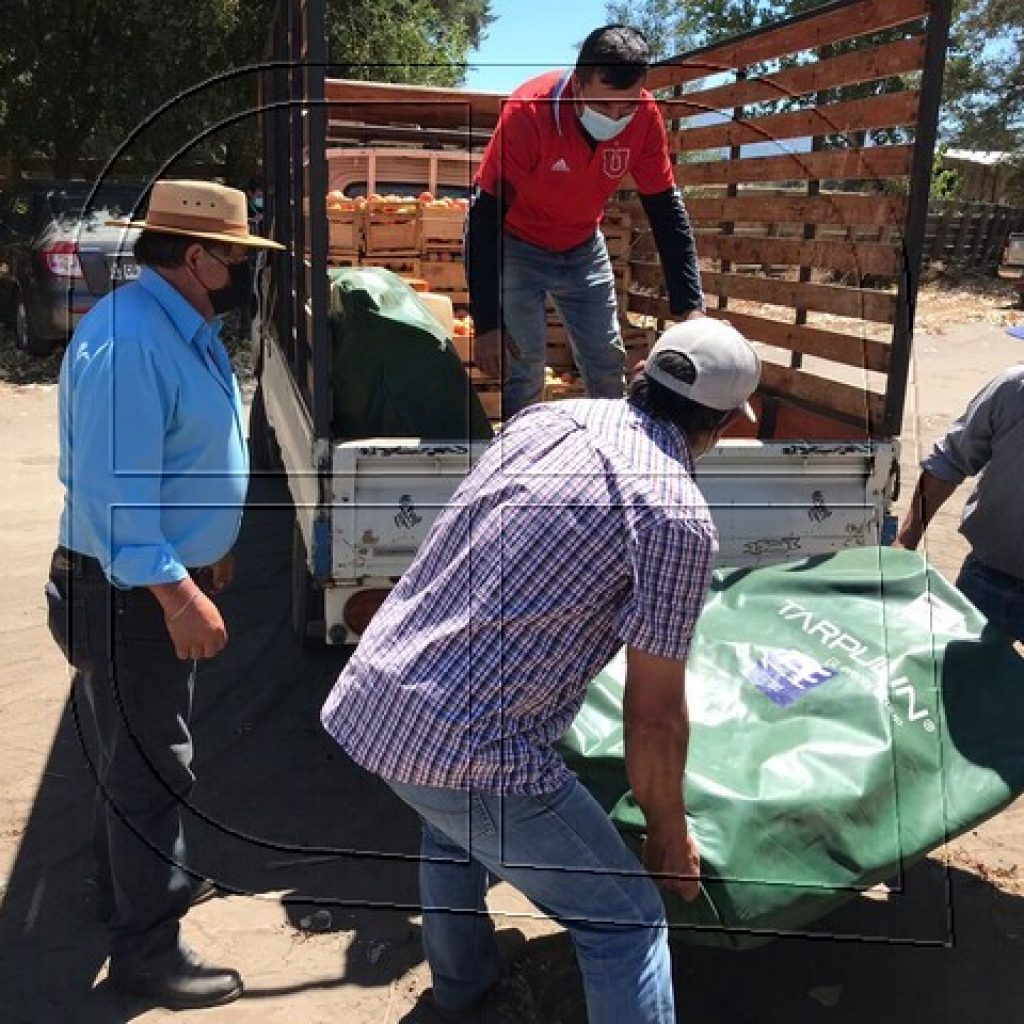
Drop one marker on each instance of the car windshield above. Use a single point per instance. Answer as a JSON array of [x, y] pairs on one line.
[[108, 203]]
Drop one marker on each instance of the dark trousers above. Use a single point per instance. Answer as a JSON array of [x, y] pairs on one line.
[[133, 691]]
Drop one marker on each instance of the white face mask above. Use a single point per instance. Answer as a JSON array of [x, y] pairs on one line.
[[600, 126]]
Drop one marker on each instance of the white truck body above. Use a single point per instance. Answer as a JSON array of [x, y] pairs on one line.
[[808, 233], [771, 501]]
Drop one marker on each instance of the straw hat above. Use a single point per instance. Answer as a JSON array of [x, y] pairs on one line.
[[199, 209]]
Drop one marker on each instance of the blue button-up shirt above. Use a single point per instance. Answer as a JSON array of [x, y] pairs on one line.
[[581, 529], [152, 447]]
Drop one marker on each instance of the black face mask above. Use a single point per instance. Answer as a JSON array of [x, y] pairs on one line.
[[235, 293]]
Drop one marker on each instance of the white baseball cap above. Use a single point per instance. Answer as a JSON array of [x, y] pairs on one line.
[[727, 367]]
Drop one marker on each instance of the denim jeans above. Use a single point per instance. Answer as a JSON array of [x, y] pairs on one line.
[[562, 852], [999, 597], [582, 286], [138, 699]]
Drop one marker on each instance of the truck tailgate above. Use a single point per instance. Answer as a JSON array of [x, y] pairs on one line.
[[772, 502]]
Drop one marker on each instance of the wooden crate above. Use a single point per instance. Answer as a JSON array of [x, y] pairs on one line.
[[559, 356], [618, 240], [490, 399], [615, 217], [562, 386], [442, 227], [637, 342], [482, 381], [464, 344], [392, 229], [557, 333], [342, 258], [445, 275], [345, 230], [404, 266], [623, 278]]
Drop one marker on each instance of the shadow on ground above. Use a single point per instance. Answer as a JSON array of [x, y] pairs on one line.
[[279, 811], [277, 808]]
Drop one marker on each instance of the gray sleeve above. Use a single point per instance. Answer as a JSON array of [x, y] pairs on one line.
[[967, 446]]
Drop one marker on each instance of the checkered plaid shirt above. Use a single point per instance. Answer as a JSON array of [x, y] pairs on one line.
[[579, 530]]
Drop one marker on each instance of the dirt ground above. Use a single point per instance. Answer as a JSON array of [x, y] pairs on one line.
[[322, 918]]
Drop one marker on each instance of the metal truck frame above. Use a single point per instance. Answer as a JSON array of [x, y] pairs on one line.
[[821, 474]]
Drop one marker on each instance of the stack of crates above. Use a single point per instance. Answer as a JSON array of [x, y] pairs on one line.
[[422, 240], [345, 218], [442, 225], [391, 235], [617, 229]]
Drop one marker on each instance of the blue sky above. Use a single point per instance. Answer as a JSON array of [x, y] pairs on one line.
[[531, 36]]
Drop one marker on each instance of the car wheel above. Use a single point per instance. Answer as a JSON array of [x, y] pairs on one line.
[[25, 337]]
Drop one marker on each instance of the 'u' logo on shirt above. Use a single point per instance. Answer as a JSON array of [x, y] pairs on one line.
[[616, 162]]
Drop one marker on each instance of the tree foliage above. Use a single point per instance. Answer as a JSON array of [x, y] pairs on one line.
[[984, 90], [984, 83], [77, 76]]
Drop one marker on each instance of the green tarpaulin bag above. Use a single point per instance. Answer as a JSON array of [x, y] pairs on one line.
[[849, 714], [394, 372]]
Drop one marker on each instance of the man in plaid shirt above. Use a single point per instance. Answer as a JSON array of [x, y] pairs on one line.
[[580, 530]]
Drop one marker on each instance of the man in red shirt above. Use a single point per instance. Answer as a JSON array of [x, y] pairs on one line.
[[564, 142]]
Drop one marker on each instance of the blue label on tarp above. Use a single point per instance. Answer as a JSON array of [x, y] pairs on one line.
[[785, 676]]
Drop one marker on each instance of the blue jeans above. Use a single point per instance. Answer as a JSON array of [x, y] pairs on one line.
[[582, 286], [999, 597], [562, 852]]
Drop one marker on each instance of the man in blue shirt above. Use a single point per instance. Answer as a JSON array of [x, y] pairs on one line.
[[155, 467]]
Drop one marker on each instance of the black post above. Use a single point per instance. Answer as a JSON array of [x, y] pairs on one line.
[[317, 228], [297, 280], [917, 214], [277, 190]]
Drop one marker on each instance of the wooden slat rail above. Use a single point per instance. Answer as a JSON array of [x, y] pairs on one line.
[[831, 164], [891, 111], [845, 399], [828, 208], [767, 206], [863, 304], [902, 57], [847, 349], [831, 26], [644, 250], [812, 213], [855, 257]]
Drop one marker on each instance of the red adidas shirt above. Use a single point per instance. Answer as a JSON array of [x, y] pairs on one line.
[[555, 184]]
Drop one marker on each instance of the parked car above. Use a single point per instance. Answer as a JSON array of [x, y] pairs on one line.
[[1012, 266], [58, 257]]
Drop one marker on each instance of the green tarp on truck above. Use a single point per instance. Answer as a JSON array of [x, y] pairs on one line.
[[394, 372], [849, 714]]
